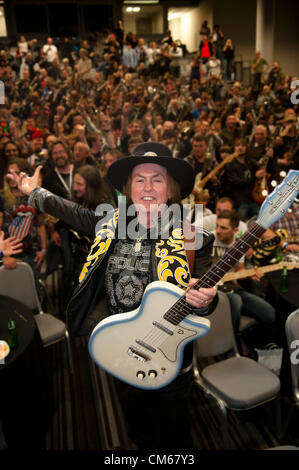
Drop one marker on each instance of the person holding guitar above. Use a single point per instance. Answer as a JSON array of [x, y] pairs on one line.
[[243, 301], [238, 178], [120, 266], [203, 163]]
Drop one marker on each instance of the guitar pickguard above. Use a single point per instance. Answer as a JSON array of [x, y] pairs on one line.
[[171, 346]]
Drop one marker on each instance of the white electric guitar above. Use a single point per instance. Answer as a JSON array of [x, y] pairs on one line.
[[145, 347]]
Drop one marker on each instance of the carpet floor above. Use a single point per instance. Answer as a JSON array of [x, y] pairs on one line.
[[88, 415]]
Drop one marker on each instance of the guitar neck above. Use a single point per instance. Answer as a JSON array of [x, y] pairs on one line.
[[181, 308], [202, 183], [231, 257], [251, 272]]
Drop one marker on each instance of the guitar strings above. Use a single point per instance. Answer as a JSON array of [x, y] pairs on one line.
[[221, 264], [180, 309]]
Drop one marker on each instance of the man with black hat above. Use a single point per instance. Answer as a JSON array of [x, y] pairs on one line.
[[119, 268]]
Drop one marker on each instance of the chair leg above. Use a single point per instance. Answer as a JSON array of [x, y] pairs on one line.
[[224, 419], [69, 351], [278, 417], [287, 420]]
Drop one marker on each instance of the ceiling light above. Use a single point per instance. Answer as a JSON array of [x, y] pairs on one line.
[[173, 16], [132, 9], [142, 2]]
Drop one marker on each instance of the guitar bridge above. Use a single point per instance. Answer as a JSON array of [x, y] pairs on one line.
[[139, 355]]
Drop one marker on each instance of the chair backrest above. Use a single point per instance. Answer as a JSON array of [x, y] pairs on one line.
[[292, 334], [220, 338], [19, 283]]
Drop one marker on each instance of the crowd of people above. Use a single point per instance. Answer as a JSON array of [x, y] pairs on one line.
[[69, 105], [75, 109]]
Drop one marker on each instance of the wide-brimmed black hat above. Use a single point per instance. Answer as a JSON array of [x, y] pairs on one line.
[[152, 152]]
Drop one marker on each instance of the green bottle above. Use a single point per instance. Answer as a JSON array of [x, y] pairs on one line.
[[284, 280], [12, 334], [278, 256]]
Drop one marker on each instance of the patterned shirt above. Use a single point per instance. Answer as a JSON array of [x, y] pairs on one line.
[[127, 275], [289, 222]]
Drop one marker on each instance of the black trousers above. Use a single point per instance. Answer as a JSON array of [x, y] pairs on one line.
[[158, 419]]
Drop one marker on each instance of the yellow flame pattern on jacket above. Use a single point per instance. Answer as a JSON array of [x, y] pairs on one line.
[[172, 264]]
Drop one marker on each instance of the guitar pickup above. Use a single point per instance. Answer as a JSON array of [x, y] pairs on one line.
[[145, 345], [163, 328], [139, 355]]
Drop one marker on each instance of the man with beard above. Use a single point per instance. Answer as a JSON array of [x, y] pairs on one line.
[[57, 177], [57, 173]]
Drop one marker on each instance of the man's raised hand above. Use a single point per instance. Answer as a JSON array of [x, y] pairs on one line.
[[25, 183]]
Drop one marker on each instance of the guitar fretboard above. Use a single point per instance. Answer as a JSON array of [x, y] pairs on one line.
[[181, 308]]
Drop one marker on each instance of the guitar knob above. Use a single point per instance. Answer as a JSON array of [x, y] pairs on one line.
[[140, 375], [152, 374]]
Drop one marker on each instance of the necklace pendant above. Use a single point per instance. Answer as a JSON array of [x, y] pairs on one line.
[[137, 246]]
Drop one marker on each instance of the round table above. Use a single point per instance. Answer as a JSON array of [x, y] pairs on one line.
[[26, 404]]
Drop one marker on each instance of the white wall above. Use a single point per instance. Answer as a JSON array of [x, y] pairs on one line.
[[286, 36], [186, 27], [175, 27], [3, 30], [157, 24], [237, 21], [129, 22]]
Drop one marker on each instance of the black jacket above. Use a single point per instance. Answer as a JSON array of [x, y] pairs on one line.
[[87, 304]]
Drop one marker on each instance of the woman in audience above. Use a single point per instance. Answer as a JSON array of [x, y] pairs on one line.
[[24, 222]]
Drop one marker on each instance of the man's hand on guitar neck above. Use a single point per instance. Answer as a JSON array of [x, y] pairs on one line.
[[200, 298], [259, 273]]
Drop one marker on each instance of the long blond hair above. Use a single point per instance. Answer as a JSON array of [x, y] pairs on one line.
[[23, 165]]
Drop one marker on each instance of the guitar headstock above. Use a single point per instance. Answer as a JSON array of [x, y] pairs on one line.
[[278, 202]]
